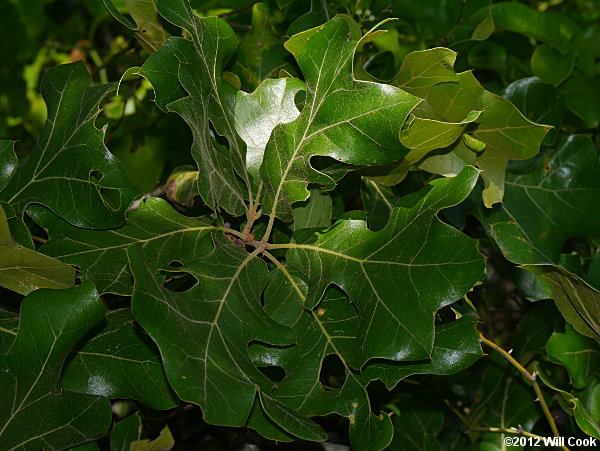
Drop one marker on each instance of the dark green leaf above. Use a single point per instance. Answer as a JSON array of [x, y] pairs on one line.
[[398, 263], [70, 170], [101, 254], [224, 181], [35, 412], [125, 432], [119, 361]]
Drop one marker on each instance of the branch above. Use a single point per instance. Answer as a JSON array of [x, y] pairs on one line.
[[531, 377]]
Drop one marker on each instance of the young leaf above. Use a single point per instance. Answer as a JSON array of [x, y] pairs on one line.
[[35, 412], [24, 270], [119, 361], [70, 170], [365, 131]]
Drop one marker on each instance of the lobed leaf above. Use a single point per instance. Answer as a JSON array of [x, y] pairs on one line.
[[70, 170], [35, 412]]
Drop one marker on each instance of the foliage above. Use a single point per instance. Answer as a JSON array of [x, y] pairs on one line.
[[298, 221]]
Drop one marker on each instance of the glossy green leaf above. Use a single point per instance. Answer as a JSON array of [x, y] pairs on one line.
[[538, 101], [456, 347], [100, 254], [203, 349], [364, 131], [259, 112], [327, 329], [119, 361], [197, 65], [579, 354], [398, 264], [70, 170], [125, 432], [550, 66], [24, 270], [35, 412]]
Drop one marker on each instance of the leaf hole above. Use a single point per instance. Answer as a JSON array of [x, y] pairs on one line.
[[274, 373], [96, 175], [179, 281], [333, 373]]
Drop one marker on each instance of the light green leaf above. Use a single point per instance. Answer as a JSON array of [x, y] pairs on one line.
[[507, 134], [164, 442], [398, 300], [148, 29], [316, 212], [51, 324], [70, 170], [24, 270], [485, 28], [449, 164], [119, 361], [365, 131], [259, 112], [423, 69], [424, 135]]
